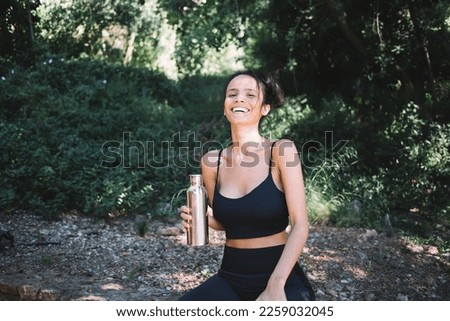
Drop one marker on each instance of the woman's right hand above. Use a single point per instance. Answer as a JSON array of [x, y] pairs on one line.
[[185, 213]]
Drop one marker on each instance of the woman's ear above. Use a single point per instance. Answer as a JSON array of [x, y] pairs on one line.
[[265, 109]]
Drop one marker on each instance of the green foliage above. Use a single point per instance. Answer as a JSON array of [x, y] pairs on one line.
[[75, 136], [418, 176], [408, 176], [201, 25], [323, 197], [327, 161], [203, 96], [279, 123], [113, 30], [136, 270], [369, 53], [142, 228], [376, 56], [17, 19]]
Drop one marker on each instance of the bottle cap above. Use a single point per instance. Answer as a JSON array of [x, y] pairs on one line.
[[195, 179]]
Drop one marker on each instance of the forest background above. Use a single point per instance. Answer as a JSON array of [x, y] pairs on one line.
[[107, 106]]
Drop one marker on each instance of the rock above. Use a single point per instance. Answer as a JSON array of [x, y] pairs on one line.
[[355, 206], [312, 276], [446, 256], [402, 297], [343, 296], [28, 292], [433, 250], [332, 292], [112, 286], [388, 226], [369, 235], [44, 231], [319, 292], [8, 289], [369, 296], [169, 231], [48, 295], [416, 248]]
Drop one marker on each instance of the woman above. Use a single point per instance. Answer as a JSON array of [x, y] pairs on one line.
[[256, 189]]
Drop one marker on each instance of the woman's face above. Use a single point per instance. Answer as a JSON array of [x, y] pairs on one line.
[[244, 101]]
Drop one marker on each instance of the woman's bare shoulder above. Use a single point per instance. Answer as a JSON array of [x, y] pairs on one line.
[[210, 160], [285, 153], [284, 145]]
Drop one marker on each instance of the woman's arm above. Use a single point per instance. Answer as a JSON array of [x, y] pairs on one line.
[[209, 172], [288, 164]]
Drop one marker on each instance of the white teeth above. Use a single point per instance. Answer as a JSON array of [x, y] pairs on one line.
[[239, 110]]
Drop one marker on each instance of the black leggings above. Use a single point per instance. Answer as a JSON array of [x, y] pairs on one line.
[[244, 274]]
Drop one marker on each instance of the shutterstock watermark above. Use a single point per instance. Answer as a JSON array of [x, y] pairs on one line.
[[187, 151]]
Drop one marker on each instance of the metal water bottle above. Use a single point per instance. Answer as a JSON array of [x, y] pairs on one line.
[[197, 234]]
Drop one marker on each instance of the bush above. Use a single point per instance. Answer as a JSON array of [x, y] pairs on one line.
[[356, 172], [82, 135], [418, 176], [326, 158]]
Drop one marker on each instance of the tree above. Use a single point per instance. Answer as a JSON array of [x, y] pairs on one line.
[[113, 30], [377, 55], [17, 34]]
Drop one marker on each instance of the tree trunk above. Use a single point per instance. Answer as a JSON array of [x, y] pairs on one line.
[[348, 32], [30, 24], [422, 42], [130, 48]]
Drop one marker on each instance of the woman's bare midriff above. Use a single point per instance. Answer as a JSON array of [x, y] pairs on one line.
[[258, 242]]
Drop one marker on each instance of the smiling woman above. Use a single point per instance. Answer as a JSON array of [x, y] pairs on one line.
[[256, 189], [244, 98]]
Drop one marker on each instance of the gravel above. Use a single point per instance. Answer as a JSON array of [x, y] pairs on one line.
[[83, 258]]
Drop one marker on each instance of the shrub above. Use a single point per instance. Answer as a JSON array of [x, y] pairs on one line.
[[59, 117], [399, 166], [418, 174]]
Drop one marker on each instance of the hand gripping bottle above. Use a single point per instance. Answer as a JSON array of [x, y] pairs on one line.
[[197, 234]]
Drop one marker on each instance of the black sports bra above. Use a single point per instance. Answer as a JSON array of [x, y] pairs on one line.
[[261, 212]]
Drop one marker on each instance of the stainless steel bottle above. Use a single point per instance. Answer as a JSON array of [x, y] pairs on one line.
[[197, 234]]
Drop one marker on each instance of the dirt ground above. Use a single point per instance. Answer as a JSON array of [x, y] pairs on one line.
[[81, 258]]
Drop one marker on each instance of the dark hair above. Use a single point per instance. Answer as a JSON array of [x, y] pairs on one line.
[[272, 92]]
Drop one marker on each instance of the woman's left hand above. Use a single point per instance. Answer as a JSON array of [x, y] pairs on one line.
[[272, 295]]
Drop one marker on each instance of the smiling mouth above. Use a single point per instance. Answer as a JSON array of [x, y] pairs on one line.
[[240, 110]]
